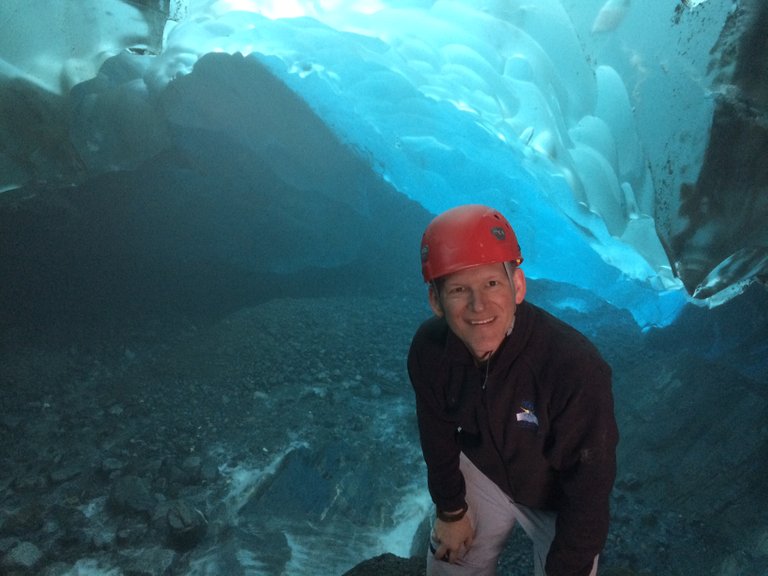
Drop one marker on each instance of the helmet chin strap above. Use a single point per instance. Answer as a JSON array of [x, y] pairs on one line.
[[511, 327], [509, 268]]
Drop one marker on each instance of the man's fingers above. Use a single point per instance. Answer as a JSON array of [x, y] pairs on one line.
[[445, 554]]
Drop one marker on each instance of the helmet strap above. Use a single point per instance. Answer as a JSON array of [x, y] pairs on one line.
[[510, 270], [509, 267]]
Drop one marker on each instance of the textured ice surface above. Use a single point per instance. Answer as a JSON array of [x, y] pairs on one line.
[[581, 121]]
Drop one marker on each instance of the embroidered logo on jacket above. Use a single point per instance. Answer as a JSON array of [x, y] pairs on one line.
[[526, 417]]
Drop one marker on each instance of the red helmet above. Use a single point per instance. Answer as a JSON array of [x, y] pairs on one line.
[[467, 236]]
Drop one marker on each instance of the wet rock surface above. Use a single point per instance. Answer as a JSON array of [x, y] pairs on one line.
[[240, 446], [281, 440]]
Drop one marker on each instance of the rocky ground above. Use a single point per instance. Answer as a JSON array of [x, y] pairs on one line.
[[281, 440]]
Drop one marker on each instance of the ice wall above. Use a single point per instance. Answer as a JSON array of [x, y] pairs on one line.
[[56, 45], [543, 109], [461, 102]]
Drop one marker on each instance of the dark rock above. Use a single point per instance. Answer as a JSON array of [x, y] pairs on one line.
[[389, 565], [102, 536], [630, 482], [64, 473], [111, 465], [269, 547], [23, 557], [192, 464], [209, 472], [70, 524], [186, 525], [57, 569], [26, 519], [318, 484], [133, 534], [6, 544], [147, 562], [10, 422], [29, 482], [131, 494], [172, 474]]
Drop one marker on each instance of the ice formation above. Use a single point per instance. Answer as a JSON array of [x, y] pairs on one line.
[[546, 110]]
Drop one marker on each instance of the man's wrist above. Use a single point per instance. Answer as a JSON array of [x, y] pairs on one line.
[[453, 516]]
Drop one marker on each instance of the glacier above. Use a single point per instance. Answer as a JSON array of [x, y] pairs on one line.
[[508, 103]]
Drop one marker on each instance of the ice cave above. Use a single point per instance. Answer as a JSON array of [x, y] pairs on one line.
[[210, 216]]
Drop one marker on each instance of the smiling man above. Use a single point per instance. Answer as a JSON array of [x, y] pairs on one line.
[[515, 409]]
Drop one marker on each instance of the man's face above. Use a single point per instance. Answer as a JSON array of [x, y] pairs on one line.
[[479, 305]]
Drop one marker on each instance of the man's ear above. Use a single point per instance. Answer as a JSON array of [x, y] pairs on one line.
[[518, 280], [434, 302]]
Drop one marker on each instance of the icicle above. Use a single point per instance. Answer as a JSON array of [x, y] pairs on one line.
[[611, 15]]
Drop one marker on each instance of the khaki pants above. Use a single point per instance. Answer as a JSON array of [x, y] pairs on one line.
[[493, 515]]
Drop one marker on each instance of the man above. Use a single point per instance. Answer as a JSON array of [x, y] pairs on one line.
[[514, 407]]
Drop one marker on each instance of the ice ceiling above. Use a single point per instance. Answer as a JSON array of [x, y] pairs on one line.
[[588, 124]]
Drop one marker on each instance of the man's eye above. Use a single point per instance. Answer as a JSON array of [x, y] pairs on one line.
[[456, 290]]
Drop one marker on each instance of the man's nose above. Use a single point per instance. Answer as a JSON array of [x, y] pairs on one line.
[[477, 300]]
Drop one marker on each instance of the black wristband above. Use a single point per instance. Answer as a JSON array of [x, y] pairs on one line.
[[453, 517]]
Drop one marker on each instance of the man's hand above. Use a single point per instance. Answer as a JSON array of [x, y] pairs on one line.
[[453, 539]]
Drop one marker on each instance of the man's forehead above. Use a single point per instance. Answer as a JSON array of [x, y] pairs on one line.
[[482, 272]]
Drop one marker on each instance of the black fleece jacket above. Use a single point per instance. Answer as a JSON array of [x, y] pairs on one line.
[[538, 420]]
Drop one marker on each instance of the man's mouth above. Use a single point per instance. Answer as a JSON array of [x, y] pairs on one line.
[[481, 322]]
